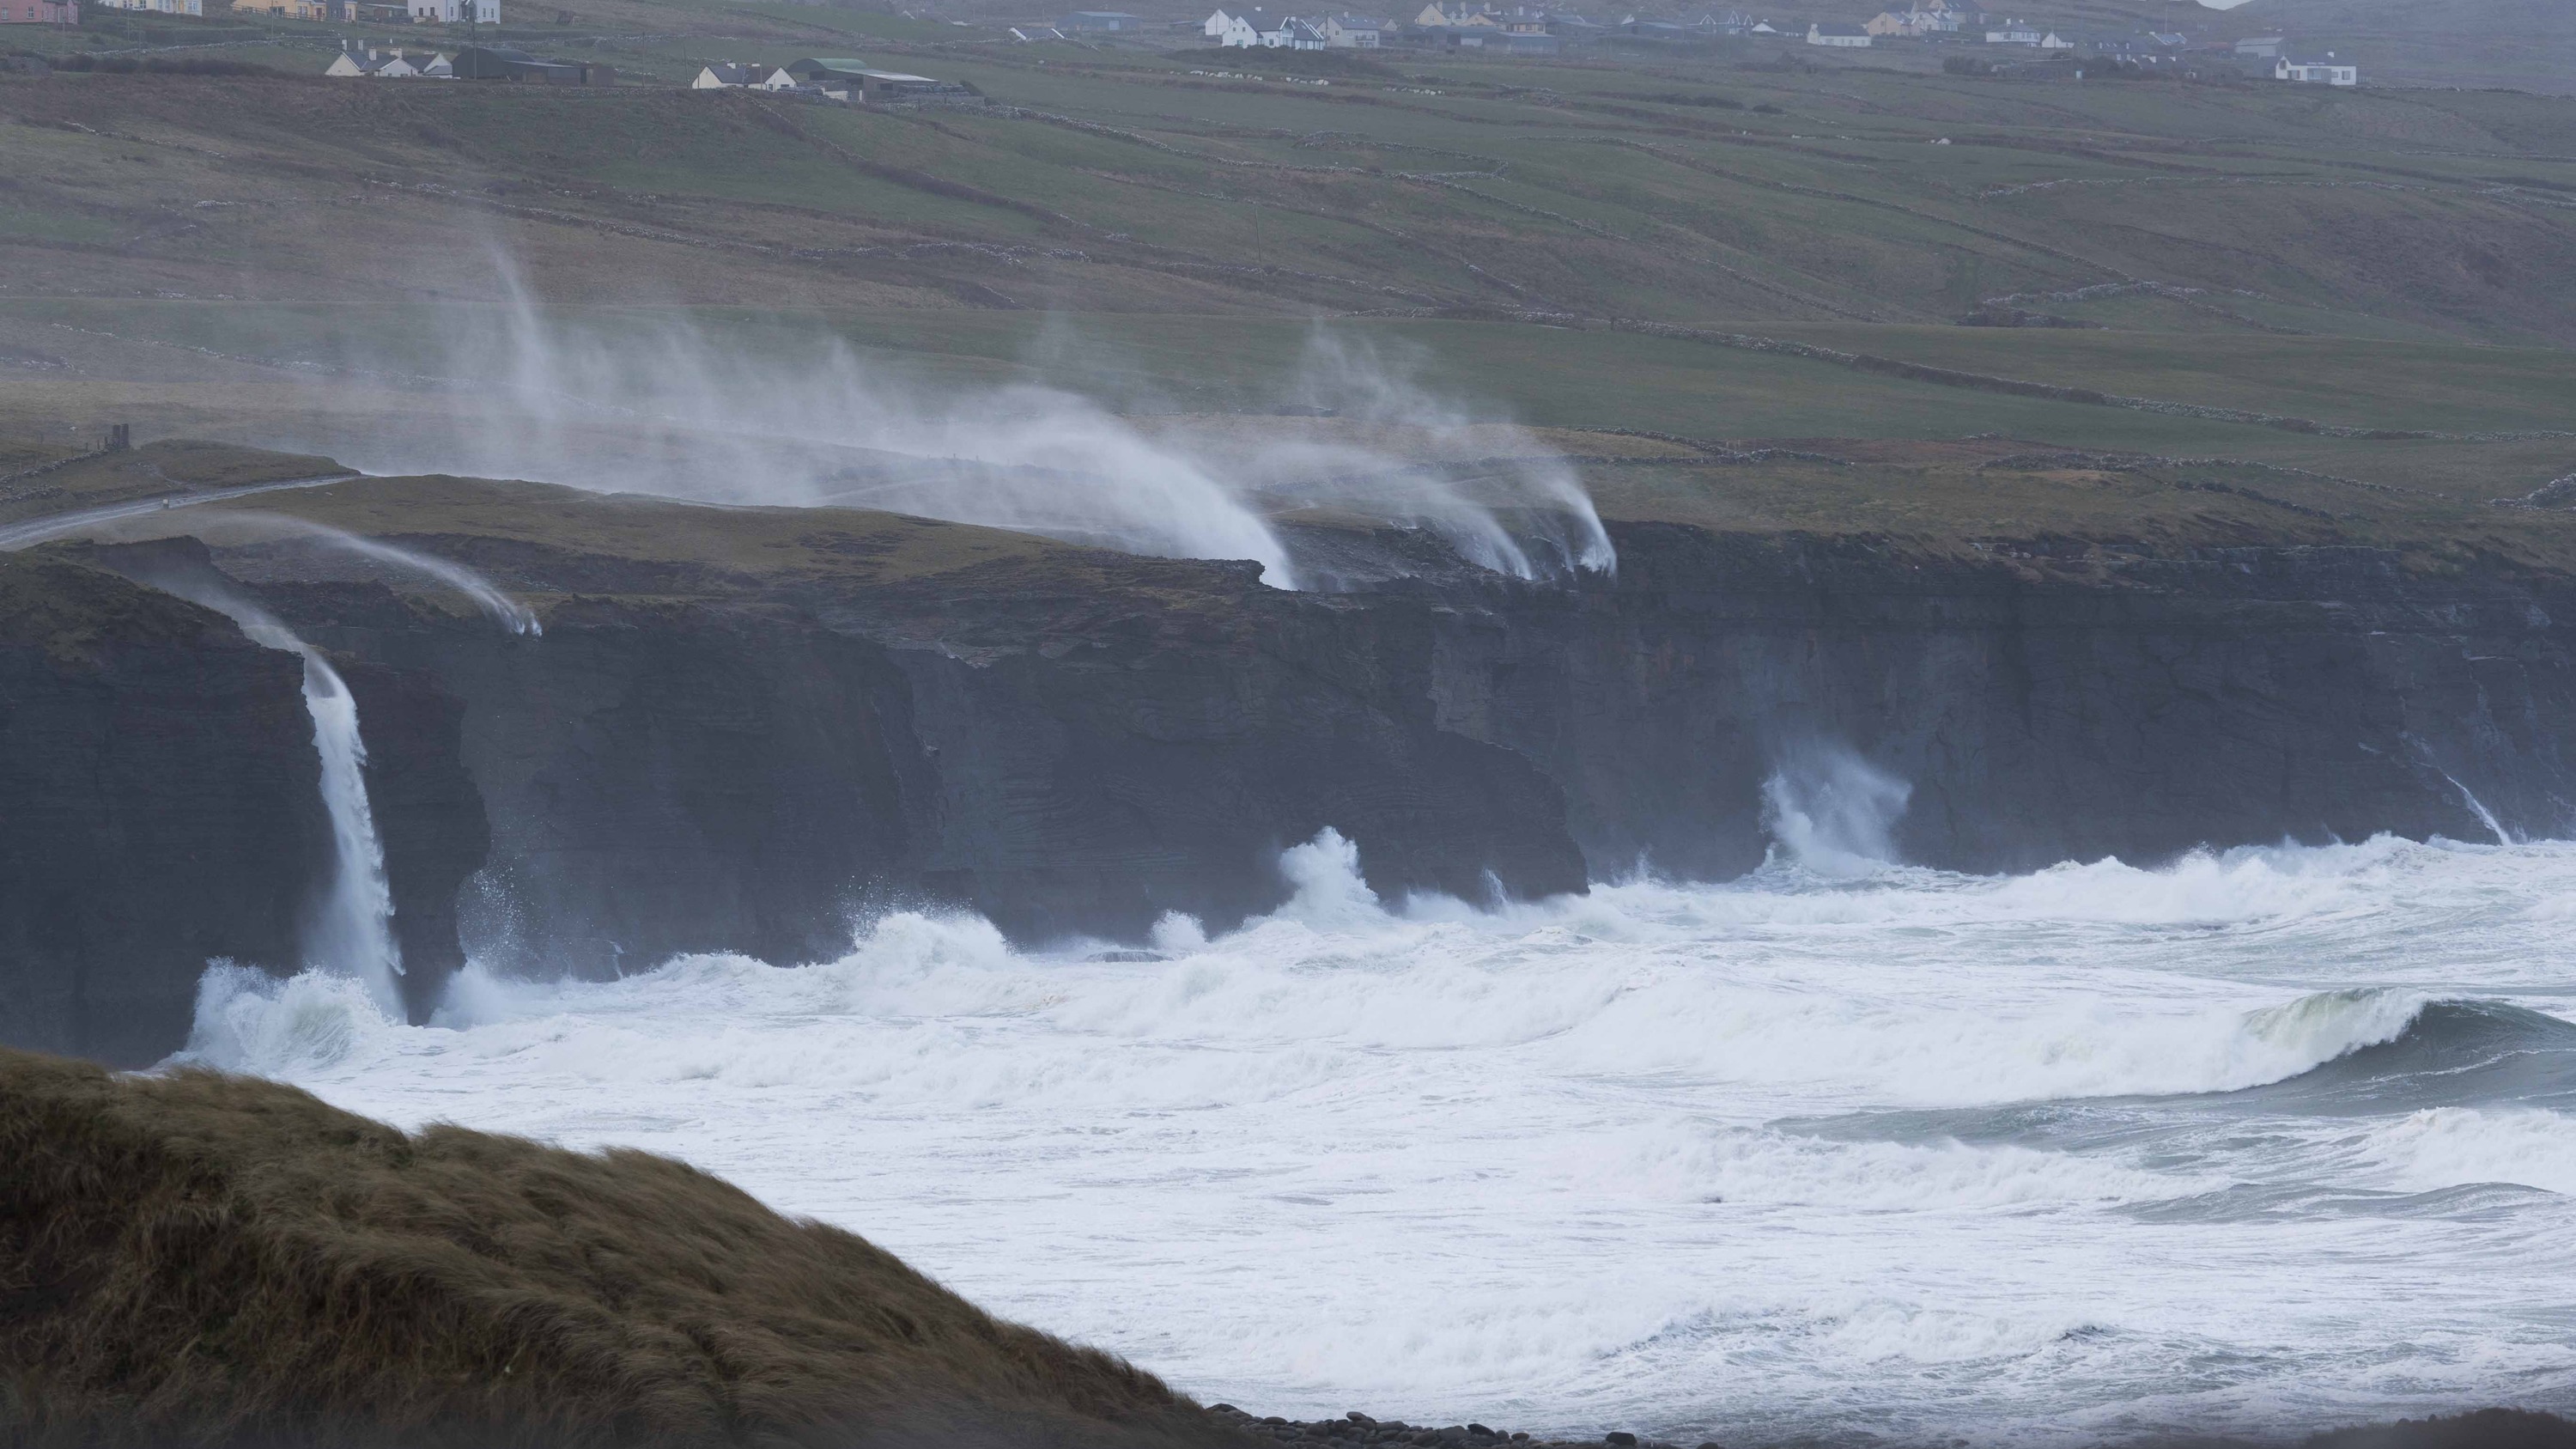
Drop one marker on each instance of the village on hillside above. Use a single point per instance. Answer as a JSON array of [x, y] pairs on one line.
[[1959, 39], [1981, 42]]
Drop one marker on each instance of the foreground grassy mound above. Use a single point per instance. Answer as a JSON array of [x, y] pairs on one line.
[[203, 1259]]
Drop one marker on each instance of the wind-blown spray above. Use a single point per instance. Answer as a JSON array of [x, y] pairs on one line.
[[660, 406], [1834, 812], [508, 612], [351, 930]]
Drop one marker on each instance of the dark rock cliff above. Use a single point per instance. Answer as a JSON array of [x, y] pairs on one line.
[[159, 805], [712, 750], [429, 815], [2040, 707], [665, 777], [751, 768]]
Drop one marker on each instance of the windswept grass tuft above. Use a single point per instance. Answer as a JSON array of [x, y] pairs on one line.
[[202, 1259]]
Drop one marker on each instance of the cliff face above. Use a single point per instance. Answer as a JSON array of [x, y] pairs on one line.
[[665, 777], [743, 729], [160, 804], [429, 815], [159, 790], [749, 768], [2041, 708]]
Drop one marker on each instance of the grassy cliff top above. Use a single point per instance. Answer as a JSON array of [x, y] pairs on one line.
[[862, 545], [217, 1260], [1969, 498], [74, 613]]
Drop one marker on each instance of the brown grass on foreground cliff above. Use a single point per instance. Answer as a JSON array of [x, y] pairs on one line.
[[211, 1260]]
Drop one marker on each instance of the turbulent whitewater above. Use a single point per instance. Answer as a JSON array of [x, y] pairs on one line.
[[2268, 1139]]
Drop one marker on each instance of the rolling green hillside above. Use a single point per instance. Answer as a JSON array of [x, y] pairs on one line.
[[1743, 241], [2522, 44]]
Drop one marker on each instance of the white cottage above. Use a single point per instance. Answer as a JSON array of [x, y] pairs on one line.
[[724, 74], [2326, 72]]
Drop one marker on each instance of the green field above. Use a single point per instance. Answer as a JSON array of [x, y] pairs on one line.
[[246, 256]]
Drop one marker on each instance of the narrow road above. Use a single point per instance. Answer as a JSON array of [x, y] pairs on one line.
[[37, 530]]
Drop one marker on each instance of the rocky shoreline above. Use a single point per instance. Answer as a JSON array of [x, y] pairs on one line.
[[2478, 1429], [1356, 1428]]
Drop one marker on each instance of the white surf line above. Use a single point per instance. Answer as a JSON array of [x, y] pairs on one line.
[[20, 535]]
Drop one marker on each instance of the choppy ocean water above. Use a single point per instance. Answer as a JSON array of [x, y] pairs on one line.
[[2264, 1140]]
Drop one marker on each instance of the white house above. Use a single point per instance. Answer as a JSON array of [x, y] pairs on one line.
[[2015, 33], [1293, 34], [2326, 72], [389, 66], [725, 74], [2054, 41], [160, 7], [1847, 36], [1459, 14], [1353, 32], [1234, 30]]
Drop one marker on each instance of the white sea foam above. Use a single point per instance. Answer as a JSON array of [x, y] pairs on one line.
[[1899, 1153], [250, 1021], [2460, 1146]]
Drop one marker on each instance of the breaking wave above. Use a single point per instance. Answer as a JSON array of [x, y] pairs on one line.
[[1944, 1155]]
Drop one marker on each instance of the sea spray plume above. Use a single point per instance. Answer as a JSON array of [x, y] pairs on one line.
[[1521, 510], [651, 402], [1833, 811], [806, 423], [1327, 889], [508, 612]]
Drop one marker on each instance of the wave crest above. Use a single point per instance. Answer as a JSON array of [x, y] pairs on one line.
[[249, 1021]]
